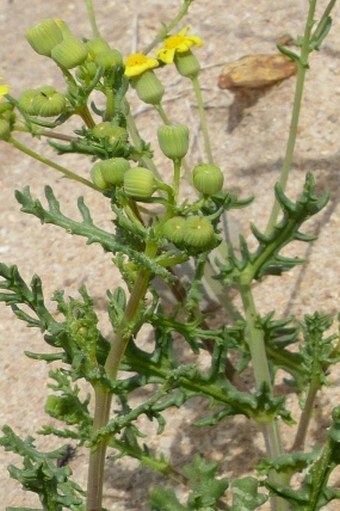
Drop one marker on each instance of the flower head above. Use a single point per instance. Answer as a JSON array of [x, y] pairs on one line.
[[178, 43], [137, 63], [4, 89]]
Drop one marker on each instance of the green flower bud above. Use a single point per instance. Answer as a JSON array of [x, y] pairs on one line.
[[173, 230], [97, 177], [102, 129], [112, 170], [96, 46], [173, 140], [198, 232], [48, 102], [5, 129], [207, 178], [113, 133], [187, 64], [26, 101], [108, 59], [6, 108], [70, 53], [44, 36], [139, 183], [148, 87]]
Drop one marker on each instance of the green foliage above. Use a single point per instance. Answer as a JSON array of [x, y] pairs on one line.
[[266, 260], [41, 475], [206, 490], [314, 493], [245, 494]]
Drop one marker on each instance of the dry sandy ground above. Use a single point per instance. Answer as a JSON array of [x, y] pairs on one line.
[[249, 146]]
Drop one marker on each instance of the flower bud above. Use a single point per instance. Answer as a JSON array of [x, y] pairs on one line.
[[96, 46], [5, 129], [113, 170], [6, 109], [187, 64], [108, 130], [148, 87], [102, 129], [44, 36], [25, 101], [48, 102], [97, 177], [108, 59], [70, 53], [139, 183], [173, 229], [207, 178], [173, 140], [198, 232]]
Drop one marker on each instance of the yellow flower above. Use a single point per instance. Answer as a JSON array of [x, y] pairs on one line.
[[4, 89], [178, 43], [137, 63]]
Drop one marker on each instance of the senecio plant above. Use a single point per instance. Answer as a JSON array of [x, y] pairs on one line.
[[157, 237]]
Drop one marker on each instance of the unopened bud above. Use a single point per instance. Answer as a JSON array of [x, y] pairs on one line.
[[70, 53], [187, 64], [44, 36], [173, 140], [139, 183], [148, 87], [207, 178]]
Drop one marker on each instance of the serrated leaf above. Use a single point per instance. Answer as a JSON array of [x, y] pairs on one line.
[[245, 494], [162, 499], [86, 228]]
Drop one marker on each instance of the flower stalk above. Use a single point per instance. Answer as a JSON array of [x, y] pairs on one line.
[[302, 66], [46, 161]]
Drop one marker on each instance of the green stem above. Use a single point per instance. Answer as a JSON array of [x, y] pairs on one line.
[[97, 454], [302, 64], [66, 172], [255, 338], [110, 107], [176, 178], [203, 118], [262, 376], [162, 113], [92, 18], [102, 396], [167, 28], [137, 140], [305, 418], [85, 114]]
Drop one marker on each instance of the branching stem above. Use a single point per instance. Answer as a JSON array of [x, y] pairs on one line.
[[262, 376], [103, 397]]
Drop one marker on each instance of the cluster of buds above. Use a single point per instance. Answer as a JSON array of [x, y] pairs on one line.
[[93, 60], [53, 38], [194, 232], [44, 102], [138, 183]]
